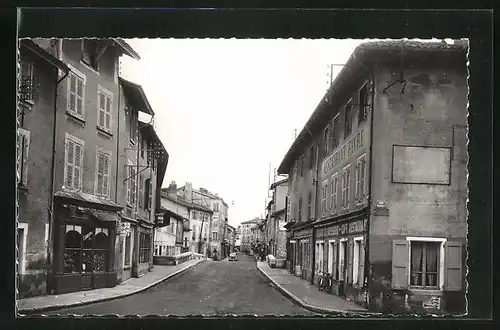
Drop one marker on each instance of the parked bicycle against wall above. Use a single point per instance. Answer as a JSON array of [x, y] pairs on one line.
[[325, 281]]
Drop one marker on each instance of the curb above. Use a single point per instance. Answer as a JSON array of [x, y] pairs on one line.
[[93, 301], [305, 305]]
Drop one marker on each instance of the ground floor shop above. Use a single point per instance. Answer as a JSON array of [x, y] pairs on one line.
[[340, 253], [137, 247], [84, 241], [301, 248]]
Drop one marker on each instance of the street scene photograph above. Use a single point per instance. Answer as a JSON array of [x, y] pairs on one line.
[[218, 177]]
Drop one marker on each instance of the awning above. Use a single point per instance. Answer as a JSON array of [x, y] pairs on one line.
[[87, 200]]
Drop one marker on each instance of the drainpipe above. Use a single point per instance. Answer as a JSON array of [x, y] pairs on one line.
[[117, 144], [315, 182], [53, 170], [368, 218]]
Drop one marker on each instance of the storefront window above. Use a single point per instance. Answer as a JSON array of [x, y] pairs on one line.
[[86, 249], [144, 247]]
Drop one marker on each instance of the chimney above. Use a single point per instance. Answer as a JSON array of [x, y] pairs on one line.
[[188, 192], [172, 190]]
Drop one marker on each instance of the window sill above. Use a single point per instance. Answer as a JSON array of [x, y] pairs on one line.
[[104, 132], [425, 291], [89, 67], [75, 118]]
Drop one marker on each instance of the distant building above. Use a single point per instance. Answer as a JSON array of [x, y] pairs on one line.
[[275, 220], [213, 202], [248, 234], [378, 179]]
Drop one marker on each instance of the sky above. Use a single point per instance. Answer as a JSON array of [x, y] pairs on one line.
[[225, 109]]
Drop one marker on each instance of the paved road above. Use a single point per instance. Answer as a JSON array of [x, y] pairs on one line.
[[209, 288]]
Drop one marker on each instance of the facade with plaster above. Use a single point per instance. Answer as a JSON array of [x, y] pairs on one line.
[[390, 215]]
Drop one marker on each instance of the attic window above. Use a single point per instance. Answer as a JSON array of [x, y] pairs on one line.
[[89, 53]]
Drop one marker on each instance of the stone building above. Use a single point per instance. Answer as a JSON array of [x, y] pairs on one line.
[[247, 237], [382, 167], [40, 74], [275, 222]]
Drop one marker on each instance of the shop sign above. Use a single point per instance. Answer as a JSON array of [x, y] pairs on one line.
[[159, 218], [353, 227], [432, 303]]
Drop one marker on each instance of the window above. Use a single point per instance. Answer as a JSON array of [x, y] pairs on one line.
[[23, 145], [148, 196], [89, 53], [335, 132], [309, 205], [144, 247], [76, 94], [300, 209], [302, 161], [346, 179], [332, 258], [105, 99], [287, 203], [73, 161], [22, 233], [215, 236], [312, 157], [360, 178], [363, 103], [141, 191], [348, 119], [323, 196], [333, 193], [26, 91], [156, 250], [102, 173], [424, 261], [86, 249], [131, 184], [195, 215], [326, 138], [358, 266]]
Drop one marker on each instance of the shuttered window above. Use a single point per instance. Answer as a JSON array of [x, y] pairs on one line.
[[333, 193], [23, 145], [73, 162], [324, 196], [131, 184], [103, 173], [105, 99], [453, 274], [360, 178], [326, 140], [148, 195], [141, 191], [346, 179], [76, 95]]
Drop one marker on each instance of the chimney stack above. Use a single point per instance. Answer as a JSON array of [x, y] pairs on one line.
[[172, 190]]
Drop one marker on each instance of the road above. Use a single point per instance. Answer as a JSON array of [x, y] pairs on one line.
[[209, 288]]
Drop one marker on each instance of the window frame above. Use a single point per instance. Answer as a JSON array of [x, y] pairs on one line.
[[101, 90], [360, 164], [333, 193], [326, 139], [324, 197], [363, 109], [342, 266], [105, 153], [81, 143], [346, 180], [441, 262], [78, 76], [335, 131], [356, 263]]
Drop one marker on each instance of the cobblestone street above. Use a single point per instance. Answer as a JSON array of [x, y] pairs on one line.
[[209, 288]]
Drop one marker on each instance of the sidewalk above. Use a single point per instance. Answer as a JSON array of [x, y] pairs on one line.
[[131, 286], [307, 295]]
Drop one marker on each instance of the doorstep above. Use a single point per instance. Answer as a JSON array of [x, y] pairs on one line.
[[129, 287]]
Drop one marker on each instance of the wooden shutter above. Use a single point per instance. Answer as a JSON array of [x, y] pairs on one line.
[[78, 166], [325, 256], [108, 113], [105, 184], [361, 269], [150, 199], [334, 260], [133, 187], [400, 264], [453, 266], [362, 178], [350, 259], [358, 180], [102, 109], [100, 173], [24, 139], [141, 191], [79, 99], [72, 93], [129, 184], [70, 160]]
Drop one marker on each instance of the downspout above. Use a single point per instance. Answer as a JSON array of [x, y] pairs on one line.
[[315, 182], [53, 171], [367, 271], [118, 143]]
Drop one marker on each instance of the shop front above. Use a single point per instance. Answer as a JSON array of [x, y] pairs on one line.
[[84, 239], [340, 253], [302, 257], [142, 260]]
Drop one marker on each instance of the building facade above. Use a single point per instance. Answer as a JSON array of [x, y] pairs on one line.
[[40, 74], [219, 208], [390, 219], [275, 221], [237, 238], [247, 237]]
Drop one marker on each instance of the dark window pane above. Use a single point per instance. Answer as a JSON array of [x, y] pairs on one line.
[[100, 260], [72, 261], [101, 241], [417, 255], [87, 262], [73, 239]]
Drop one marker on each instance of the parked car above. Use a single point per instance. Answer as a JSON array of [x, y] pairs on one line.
[[233, 257]]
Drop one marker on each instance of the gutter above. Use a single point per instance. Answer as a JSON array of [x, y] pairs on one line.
[[53, 171], [367, 271], [315, 183]]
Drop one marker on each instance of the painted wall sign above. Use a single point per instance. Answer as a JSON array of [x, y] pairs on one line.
[[343, 152], [345, 228]]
